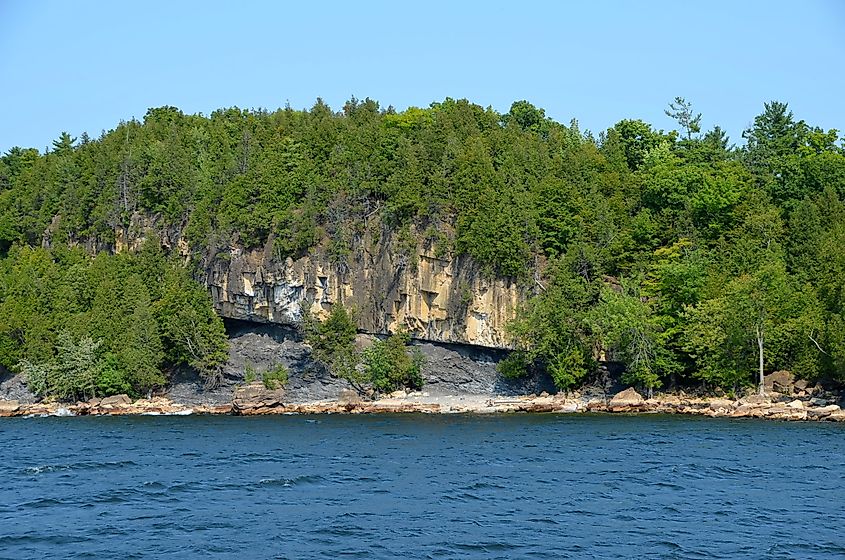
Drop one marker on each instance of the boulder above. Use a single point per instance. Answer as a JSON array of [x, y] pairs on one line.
[[596, 405], [569, 406], [815, 389], [116, 400], [721, 404], [781, 412], [757, 399], [627, 399], [823, 411], [670, 400], [256, 396], [795, 404], [348, 397], [837, 416], [780, 381], [749, 411], [801, 385], [7, 408]]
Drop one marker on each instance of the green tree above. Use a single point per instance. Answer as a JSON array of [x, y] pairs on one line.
[[762, 321], [76, 369], [140, 348], [333, 344], [681, 111], [388, 366], [624, 324], [192, 333], [552, 333]]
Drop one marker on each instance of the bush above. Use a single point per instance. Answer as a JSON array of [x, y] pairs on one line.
[[276, 377], [515, 365], [333, 343], [388, 366], [250, 375], [112, 379]]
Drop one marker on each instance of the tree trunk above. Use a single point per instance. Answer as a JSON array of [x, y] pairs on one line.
[[760, 348]]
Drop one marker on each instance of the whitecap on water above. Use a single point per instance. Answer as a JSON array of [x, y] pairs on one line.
[[186, 412]]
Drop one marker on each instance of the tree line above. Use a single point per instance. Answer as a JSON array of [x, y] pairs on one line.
[[686, 258], [80, 326]]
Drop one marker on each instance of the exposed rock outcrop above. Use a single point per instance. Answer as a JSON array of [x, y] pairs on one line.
[[255, 397], [780, 382], [438, 299], [7, 408], [448, 369], [389, 282]]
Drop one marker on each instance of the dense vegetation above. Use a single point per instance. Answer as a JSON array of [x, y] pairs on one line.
[[384, 366], [80, 326], [675, 253]]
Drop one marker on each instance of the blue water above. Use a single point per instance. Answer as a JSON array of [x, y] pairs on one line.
[[516, 486]]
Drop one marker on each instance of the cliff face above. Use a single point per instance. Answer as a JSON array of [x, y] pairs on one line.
[[435, 298]]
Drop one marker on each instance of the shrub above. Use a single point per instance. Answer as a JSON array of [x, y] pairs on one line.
[[276, 377], [388, 366]]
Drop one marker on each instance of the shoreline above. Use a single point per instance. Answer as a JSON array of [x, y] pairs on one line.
[[774, 406]]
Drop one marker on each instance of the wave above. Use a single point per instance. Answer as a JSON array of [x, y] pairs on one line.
[[301, 480], [81, 466]]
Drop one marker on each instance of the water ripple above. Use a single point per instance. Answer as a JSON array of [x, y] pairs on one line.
[[527, 486]]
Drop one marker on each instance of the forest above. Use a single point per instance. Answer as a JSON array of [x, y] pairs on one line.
[[687, 258]]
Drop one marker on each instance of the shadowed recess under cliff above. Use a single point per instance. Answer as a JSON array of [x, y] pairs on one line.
[[449, 368]]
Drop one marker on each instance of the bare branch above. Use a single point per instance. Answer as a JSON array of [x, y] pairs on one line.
[[810, 336]]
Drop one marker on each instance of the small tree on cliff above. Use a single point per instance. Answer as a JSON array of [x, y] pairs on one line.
[[333, 344], [388, 366]]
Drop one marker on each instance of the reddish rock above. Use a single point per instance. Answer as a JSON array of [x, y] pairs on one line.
[[9, 408], [348, 396], [257, 398], [823, 411], [721, 405]]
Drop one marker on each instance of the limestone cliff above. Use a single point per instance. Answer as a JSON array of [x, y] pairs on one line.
[[438, 299], [389, 284]]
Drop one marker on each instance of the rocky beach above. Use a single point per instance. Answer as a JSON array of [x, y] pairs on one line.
[[255, 399]]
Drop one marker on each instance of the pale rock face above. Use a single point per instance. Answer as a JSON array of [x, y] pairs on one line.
[[388, 285], [439, 299]]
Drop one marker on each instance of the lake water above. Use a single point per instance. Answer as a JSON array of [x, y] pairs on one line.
[[515, 486]]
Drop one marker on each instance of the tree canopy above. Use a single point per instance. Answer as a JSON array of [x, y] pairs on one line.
[[664, 250]]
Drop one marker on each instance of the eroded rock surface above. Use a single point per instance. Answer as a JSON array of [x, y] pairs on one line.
[[390, 282]]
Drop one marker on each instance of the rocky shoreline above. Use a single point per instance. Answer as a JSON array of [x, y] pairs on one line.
[[254, 399]]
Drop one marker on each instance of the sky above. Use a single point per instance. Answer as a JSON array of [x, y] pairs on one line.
[[84, 66]]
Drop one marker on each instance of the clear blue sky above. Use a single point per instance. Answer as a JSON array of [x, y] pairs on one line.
[[83, 66]]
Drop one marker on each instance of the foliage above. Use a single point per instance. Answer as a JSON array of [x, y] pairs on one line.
[[552, 332], [275, 378], [250, 373], [626, 325], [387, 365], [333, 342], [80, 326], [702, 233]]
